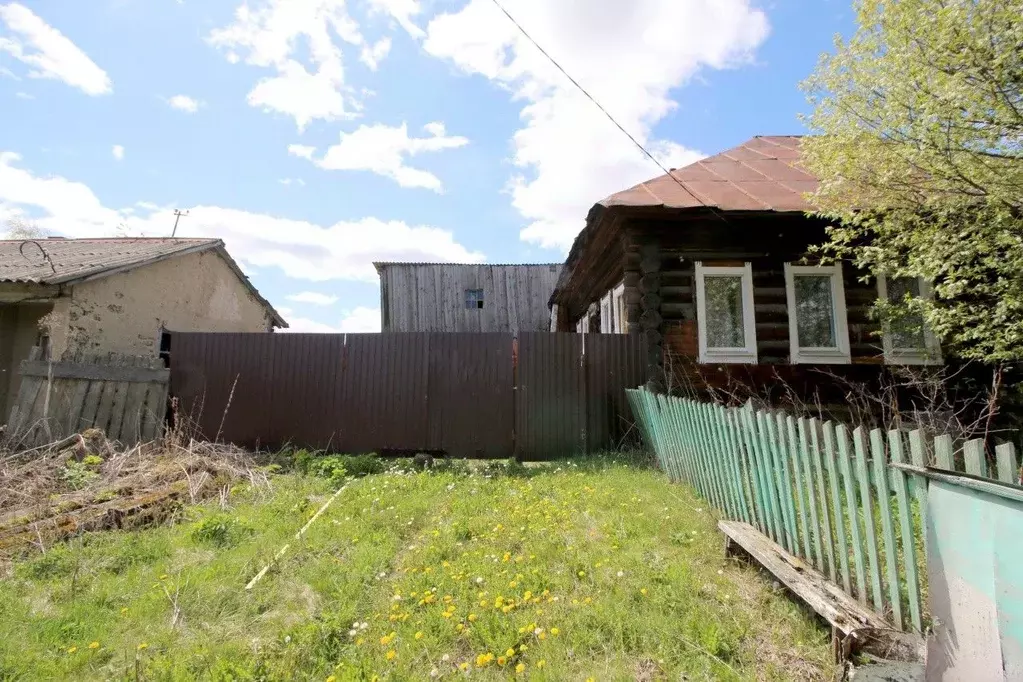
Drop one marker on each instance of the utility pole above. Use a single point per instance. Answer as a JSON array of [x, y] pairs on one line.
[[178, 213]]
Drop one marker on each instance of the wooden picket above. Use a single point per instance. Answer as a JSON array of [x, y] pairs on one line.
[[820, 492]]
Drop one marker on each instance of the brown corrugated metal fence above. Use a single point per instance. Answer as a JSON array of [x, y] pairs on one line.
[[462, 394]]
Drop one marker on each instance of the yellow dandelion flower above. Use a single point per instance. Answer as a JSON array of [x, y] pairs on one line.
[[555, 631], [582, 574], [360, 641], [164, 576], [472, 617], [520, 668], [391, 655], [523, 647], [93, 645], [464, 665], [542, 636], [332, 678], [590, 679], [142, 647], [528, 595], [541, 663], [459, 627], [72, 649], [643, 591], [124, 610], [510, 653], [501, 660], [482, 660], [419, 635]]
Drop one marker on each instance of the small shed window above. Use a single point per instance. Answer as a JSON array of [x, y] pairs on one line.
[[473, 299], [724, 311], [907, 341], [818, 331]]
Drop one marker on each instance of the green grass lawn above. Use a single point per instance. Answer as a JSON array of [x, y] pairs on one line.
[[599, 571]]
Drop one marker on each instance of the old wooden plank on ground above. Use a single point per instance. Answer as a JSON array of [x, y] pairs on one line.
[[825, 598]]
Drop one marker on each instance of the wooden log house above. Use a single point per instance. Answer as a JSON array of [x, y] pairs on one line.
[[710, 265]]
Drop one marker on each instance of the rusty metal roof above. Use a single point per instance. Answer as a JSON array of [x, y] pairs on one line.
[[762, 174], [57, 260]]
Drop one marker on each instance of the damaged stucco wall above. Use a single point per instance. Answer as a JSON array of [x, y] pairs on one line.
[[124, 313]]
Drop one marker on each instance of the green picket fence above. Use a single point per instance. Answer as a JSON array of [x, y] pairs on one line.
[[822, 492]]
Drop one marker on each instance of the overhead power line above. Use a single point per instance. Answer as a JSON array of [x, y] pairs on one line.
[[599, 106]]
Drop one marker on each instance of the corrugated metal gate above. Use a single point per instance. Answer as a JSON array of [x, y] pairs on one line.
[[468, 395]]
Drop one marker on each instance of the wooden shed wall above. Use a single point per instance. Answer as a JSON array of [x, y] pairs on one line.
[[431, 298]]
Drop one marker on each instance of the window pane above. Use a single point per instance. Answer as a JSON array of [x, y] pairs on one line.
[[723, 298], [815, 313], [906, 331]]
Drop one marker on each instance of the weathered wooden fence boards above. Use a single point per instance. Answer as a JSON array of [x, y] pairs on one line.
[[125, 396], [819, 491], [533, 395]]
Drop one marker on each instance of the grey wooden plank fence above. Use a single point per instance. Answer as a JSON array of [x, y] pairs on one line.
[[125, 396], [822, 492]]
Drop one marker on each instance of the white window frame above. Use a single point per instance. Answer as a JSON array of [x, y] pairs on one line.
[[748, 353], [583, 325], [836, 355], [606, 320], [621, 324], [930, 354]]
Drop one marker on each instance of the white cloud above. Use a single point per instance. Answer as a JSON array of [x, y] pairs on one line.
[[383, 150], [287, 182], [273, 37], [303, 151], [372, 55], [402, 11], [302, 250], [358, 321], [48, 53], [313, 298], [629, 55], [24, 95], [184, 103], [118, 152]]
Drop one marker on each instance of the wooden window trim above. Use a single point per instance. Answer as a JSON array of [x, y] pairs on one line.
[[930, 354], [748, 353], [835, 355]]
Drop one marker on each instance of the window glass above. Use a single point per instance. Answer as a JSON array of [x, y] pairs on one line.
[[906, 331], [723, 295], [815, 312]]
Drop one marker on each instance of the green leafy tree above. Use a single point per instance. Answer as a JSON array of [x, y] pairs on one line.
[[920, 158]]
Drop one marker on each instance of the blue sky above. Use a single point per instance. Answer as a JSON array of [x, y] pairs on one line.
[[316, 136]]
